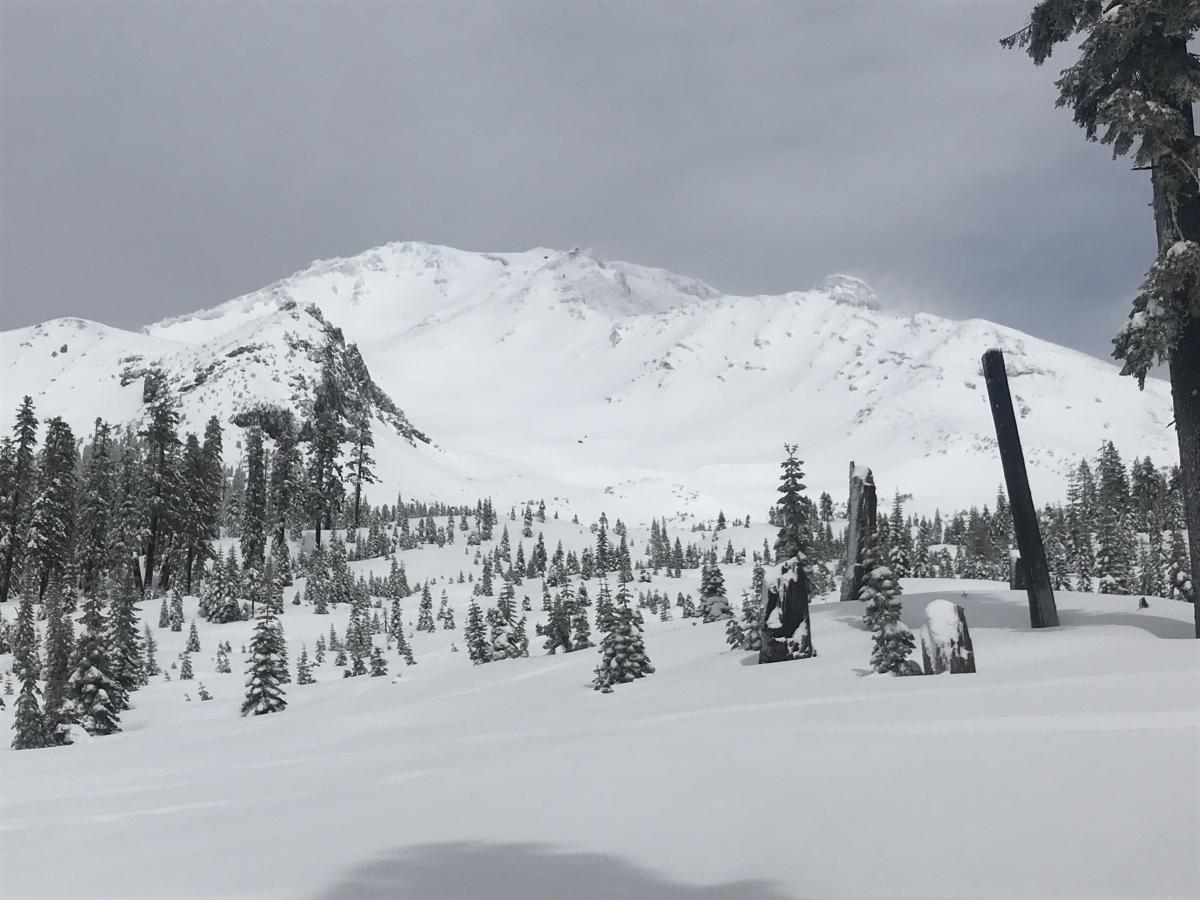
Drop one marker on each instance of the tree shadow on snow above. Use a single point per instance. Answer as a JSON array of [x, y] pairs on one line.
[[476, 871]]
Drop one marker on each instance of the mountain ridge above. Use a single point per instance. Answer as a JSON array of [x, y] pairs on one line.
[[546, 372]]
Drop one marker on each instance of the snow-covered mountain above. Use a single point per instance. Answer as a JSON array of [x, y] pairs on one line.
[[549, 373]]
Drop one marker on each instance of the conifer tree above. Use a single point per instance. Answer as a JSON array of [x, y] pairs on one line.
[[124, 643], [164, 615], [325, 434], [879, 585], [622, 651], [150, 660], [403, 648], [752, 612], [266, 675], [378, 663], [29, 725], [789, 509], [1179, 572], [361, 463], [558, 627], [95, 509], [52, 519], [445, 613], [193, 639], [96, 696], [185, 667], [176, 617], [159, 472], [425, 610], [1134, 86], [304, 673], [24, 640], [735, 637], [14, 517], [713, 602], [475, 636], [60, 640], [582, 637]]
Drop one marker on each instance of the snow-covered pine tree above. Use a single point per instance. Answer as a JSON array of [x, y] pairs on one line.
[[378, 663], [304, 673], [362, 463], [752, 613], [504, 643], [124, 642], [713, 604], [52, 519], [879, 584], [29, 725], [622, 651], [581, 628], [425, 610], [14, 517], [558, 626], [60, 641], [176, 617], [1134, 86], [95, 509], [24, 640], [185, 667], [193, 639], [96, 696], [265, 678], [476, 637], [1179, 571], [445, 614], [150, 665], [735, 637]]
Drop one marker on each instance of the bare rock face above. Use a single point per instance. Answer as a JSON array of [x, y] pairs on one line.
[[945, 640]]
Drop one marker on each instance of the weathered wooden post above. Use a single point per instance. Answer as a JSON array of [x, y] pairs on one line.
[[1042, 611], [860, 515]]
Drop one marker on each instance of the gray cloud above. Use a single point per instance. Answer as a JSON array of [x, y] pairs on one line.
[[160, 157]]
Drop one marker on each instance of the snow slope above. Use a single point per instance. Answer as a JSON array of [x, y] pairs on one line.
[[1064, 768], [548, 373]]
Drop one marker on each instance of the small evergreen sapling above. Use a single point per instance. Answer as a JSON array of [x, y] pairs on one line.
[[193, 639], [265, 679]]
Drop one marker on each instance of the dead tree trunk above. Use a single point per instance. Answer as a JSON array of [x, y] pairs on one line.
[[1042, 611], [860, 513], [785, 626]]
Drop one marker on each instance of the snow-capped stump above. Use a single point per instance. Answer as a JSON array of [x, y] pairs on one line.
[[785, 625], [945, 640]]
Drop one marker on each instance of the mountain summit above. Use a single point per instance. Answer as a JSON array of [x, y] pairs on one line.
[[550, 372]]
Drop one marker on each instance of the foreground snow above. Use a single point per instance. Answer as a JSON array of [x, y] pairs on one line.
[[1066, 767]]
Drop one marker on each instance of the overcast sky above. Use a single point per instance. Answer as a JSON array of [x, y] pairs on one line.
[[157, 157]]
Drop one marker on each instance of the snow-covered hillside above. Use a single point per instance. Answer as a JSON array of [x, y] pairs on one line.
[[1064, 768], [548, 373]]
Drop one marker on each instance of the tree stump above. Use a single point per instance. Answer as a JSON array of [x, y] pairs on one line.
[[785, 625], [860, 512], [945, 640]]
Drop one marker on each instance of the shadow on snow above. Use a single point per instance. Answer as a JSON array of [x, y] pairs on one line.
[[478, 871]]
